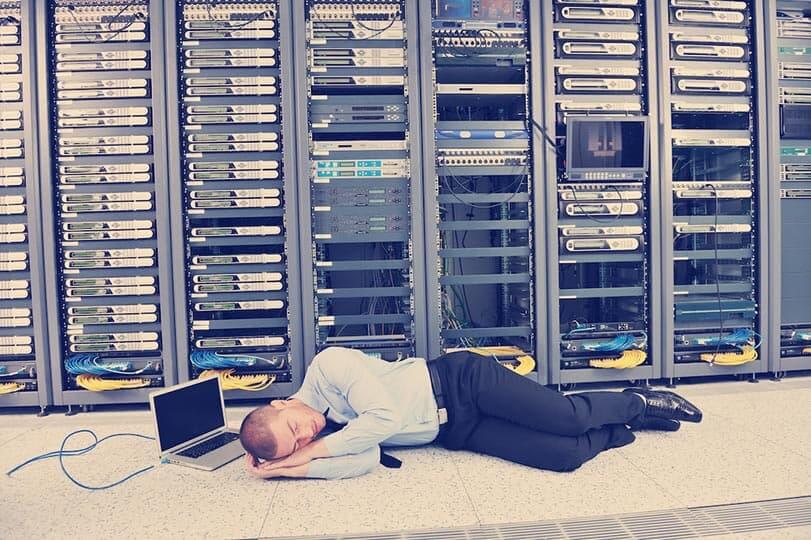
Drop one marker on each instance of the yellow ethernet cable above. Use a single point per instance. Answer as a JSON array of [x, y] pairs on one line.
[[251, 382], [10, 388], [746, 355], [629, 359], [95, 383]]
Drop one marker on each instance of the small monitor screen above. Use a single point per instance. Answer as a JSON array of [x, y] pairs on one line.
[[607, 144], [188, 412]]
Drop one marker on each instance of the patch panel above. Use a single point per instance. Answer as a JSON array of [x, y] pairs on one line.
[[233, 88]]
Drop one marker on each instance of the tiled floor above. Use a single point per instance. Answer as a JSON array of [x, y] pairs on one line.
[[754, 444]]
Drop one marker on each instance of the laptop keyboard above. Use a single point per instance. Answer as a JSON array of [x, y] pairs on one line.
[[209, 445]]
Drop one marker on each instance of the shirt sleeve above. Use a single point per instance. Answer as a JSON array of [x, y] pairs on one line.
[[308, 391], [348, 372], [349, 466]]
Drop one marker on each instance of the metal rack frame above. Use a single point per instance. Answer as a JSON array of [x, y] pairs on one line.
[[309, 314], [290, 174], [671, 370], [778, 364], [28, 50], [653, 369], [61, 394]]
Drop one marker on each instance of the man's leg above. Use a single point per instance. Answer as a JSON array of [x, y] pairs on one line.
[[504, 394], [499, 438]]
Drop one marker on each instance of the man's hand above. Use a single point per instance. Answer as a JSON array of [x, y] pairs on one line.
[[315, 450], [263, 470]]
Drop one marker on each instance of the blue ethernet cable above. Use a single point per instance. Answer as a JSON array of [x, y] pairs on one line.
[[212, 360], [62, 453]]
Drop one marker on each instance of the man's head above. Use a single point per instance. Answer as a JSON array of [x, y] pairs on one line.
[[279, 429]]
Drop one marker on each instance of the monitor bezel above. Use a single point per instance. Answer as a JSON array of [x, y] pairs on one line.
[[174, 388], [628, 173]]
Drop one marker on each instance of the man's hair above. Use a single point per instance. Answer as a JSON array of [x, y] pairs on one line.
[[255, 433]]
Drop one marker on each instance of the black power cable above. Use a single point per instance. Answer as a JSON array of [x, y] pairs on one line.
[[250, 20], [717, 278], [137, 16]]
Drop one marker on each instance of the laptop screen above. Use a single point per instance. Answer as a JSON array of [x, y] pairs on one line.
[[188, 412]]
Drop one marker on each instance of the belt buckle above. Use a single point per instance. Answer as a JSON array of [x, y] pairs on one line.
[[442, 414]]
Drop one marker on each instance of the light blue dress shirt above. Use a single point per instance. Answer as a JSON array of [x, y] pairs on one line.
[[381, 403]]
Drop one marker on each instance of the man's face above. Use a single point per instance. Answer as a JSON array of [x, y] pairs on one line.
[[295, 426]]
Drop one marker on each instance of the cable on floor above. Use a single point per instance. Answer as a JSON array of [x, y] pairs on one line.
[[62, 453]]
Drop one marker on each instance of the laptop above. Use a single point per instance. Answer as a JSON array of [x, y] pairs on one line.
[[190, 425]]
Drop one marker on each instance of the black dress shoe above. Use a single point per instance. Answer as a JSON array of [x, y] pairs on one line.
[[663, 404], [656, 424]]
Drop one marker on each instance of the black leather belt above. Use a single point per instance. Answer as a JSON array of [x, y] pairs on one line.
[[436, 386]]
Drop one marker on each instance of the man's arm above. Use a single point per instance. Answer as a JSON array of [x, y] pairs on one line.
[[333, 468], [346, 370]]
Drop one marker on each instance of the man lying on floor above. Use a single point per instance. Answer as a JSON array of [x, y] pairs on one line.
[[462, 400]]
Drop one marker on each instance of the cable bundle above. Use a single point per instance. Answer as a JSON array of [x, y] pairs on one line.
[[579, 328], [4, 372], [212, 360], [739, 337], [507, 356], [10, 388], [747, 354], [255, 382], [629, 359], [801, 336], [620, 343], [87, 364], [95, 383], [525, 364]]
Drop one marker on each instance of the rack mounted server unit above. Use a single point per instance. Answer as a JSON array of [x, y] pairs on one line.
[[602, 215], [106, 221], [24, 374], [480, 170], [713, 171], [235, 239], [361, 232], [789, 53]]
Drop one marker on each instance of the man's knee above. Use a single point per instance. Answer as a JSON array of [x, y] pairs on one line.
[[569, 462], [577, 424]]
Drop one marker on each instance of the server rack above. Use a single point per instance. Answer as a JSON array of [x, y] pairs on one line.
[[105, 199], [234, 194], [360, 189], [481, 166], [713, 187], [788, 35], [602, 226], [24, 374]]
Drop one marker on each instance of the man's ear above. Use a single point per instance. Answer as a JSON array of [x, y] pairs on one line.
[[279, 403]]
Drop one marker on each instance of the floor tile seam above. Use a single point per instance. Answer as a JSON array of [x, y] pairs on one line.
[[269, 509], [461, 479]]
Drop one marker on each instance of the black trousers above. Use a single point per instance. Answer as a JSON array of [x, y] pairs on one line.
[[495, 411]]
